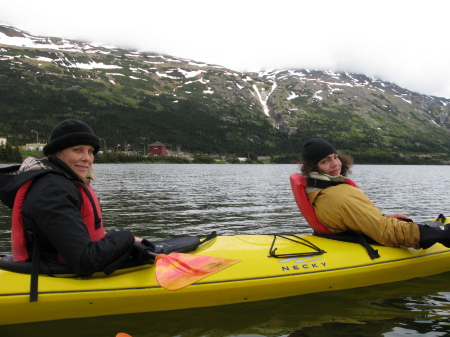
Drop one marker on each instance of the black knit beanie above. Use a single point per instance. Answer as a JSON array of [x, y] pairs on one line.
[[68, 133], [315, 149]]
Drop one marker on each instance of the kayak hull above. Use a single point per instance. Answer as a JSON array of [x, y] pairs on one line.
[[256, 277]]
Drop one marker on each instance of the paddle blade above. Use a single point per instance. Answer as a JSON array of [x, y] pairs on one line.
[[122, 334], [176, 270]]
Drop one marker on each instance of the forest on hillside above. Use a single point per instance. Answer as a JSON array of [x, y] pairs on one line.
[[132, 116]]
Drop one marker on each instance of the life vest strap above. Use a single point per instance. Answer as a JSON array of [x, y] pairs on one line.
[[97, 219], [354, 237], [313, 182], [35, 261]]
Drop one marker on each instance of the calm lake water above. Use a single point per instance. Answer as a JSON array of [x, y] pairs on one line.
[[159, 201]]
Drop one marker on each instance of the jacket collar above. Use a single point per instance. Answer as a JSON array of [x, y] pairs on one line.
[[320, 176]]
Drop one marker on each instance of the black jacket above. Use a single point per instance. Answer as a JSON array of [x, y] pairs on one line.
[[51, 210]]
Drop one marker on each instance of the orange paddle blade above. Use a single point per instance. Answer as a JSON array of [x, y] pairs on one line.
[[122, 334], [176, 270]]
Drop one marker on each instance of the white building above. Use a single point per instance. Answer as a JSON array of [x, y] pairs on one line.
[[34, 146]]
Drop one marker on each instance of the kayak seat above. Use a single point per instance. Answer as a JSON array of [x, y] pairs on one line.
[[7, 263], [298, 185]]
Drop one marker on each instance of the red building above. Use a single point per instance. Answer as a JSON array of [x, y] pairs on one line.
[[157, 149]]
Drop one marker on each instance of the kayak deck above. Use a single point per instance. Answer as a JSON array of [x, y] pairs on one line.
[[256, 277]]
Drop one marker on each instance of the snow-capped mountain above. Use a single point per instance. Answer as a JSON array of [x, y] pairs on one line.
[[212, 108]]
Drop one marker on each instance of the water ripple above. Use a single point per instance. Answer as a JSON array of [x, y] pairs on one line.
[[169, 200]]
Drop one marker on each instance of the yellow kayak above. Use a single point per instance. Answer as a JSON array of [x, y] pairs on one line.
[[339, 265]]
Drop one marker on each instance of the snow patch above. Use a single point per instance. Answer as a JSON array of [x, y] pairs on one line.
[[189, 74], [264, 100], [167, 76], [94, 65], [316, 95], [292, 96], [137, 78], [44, 59]]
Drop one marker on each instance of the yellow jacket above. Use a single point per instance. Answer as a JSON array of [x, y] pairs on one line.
[[344, 207]]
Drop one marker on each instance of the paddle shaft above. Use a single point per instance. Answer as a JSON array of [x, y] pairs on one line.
[[149, 255]]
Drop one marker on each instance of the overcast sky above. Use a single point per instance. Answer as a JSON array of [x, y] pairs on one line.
[[402, 41]]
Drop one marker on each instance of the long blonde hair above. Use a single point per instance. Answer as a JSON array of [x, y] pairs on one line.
[[86, 180]]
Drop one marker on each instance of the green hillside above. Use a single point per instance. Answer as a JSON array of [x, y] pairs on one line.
[[137, 98]]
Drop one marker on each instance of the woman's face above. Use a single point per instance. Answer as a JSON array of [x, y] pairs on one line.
[[330, 165], [79, 158]]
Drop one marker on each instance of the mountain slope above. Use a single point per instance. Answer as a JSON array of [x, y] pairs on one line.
[[137, 97]]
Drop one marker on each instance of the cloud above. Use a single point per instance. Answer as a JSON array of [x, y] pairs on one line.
[[402, 41]]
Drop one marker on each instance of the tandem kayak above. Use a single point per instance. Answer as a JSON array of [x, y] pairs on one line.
[[258, 276]]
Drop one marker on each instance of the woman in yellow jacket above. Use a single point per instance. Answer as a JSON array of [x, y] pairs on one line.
[[343, 207]]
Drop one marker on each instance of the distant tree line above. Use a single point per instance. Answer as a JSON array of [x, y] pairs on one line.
[[114, 157], [9, 154]]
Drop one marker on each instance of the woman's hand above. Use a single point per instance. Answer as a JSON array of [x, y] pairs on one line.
[[136, 239]]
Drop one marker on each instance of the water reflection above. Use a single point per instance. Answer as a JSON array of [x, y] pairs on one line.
[[400, 309]]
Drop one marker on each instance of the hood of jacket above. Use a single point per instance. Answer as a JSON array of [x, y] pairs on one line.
[[13, 177], [326, 177]]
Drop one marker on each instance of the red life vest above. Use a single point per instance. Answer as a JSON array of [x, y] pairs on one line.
[[91, 217], [298, 185]]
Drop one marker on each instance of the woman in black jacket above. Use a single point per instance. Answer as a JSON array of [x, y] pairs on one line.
[[60, 212]]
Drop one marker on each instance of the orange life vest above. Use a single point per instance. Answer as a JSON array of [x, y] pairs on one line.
[[90, 211], [298, 185]]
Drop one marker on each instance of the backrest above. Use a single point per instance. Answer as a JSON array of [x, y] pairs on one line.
[[298, 184]]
